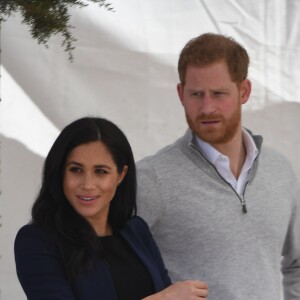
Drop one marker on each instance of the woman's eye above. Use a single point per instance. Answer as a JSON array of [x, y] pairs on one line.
[[101, 171], [75, 170]]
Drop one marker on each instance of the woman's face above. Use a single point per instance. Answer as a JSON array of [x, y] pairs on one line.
[[90, 181]]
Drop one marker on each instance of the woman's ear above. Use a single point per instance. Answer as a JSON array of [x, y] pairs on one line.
[[123, 173]]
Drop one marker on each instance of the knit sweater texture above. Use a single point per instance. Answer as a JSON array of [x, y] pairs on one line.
[[197, 221]]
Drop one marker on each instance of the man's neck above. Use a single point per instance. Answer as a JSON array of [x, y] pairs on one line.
[[236, 153]]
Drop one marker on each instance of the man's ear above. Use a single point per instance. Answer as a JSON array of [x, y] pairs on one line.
[[180, 91], [245, 90]]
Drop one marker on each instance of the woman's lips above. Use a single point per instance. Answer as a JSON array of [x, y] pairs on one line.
[[87, 198]]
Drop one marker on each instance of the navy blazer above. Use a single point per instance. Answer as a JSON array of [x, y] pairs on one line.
[[41, 273]]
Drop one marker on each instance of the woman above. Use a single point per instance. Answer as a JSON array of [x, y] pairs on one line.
[[85, 240]]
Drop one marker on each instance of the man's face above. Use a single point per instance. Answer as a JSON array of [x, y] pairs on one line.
[[212, 102]]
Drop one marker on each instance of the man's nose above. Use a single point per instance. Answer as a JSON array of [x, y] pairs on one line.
[[207, 104]]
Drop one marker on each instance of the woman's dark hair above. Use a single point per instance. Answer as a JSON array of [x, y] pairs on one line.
[[51, 210]]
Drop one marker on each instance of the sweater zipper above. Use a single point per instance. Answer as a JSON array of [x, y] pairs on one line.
[[243, 201], [242, 197]]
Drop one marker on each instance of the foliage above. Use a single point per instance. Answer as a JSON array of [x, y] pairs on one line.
[[47, 17]]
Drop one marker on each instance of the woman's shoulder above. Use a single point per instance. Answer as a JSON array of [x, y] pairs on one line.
[[30, 236], [31, 229], [137, 229], [137, 223]]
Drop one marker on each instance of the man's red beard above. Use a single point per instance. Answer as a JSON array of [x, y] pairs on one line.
[[225, 131]]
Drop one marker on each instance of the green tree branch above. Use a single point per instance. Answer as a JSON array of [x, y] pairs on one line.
[[46, 18]]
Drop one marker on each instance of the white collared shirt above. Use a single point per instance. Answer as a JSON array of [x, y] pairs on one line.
[[221, 161]]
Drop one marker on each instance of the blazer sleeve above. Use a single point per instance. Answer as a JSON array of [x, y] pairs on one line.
[[39, 268], [139, 236]]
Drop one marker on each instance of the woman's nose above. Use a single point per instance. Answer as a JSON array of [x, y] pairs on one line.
[[88, 181]]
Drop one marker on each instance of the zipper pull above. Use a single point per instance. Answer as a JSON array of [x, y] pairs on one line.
[[244, 207]]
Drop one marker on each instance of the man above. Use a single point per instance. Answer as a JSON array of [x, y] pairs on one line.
[[223, 208]]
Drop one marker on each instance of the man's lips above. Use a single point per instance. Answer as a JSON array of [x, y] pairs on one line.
[[209, 122], [210, 119]]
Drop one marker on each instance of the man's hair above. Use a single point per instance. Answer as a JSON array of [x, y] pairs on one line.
[[210, 48]]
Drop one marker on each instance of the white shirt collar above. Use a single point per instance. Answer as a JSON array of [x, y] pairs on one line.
[[212, 154], [222, 163]]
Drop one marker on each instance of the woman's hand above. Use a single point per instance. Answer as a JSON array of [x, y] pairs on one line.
[[184, 290]]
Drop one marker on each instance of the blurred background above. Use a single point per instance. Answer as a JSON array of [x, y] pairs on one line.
[[125, 69]]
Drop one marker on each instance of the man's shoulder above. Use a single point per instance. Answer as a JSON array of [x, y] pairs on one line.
[[161, 154], [277, 162], [273, 154], [165, 154], [268, 152]]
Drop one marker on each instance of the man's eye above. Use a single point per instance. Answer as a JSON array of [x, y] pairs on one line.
[[197, 94]]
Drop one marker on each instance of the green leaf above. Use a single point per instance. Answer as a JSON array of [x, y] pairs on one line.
[[47, 18]]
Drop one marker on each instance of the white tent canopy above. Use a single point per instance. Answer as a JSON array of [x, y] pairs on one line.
[[124, 69]]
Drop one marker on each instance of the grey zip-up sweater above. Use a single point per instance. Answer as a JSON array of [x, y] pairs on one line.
[[197, 220]]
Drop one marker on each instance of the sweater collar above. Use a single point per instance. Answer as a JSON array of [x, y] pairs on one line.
[[190, 138]]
